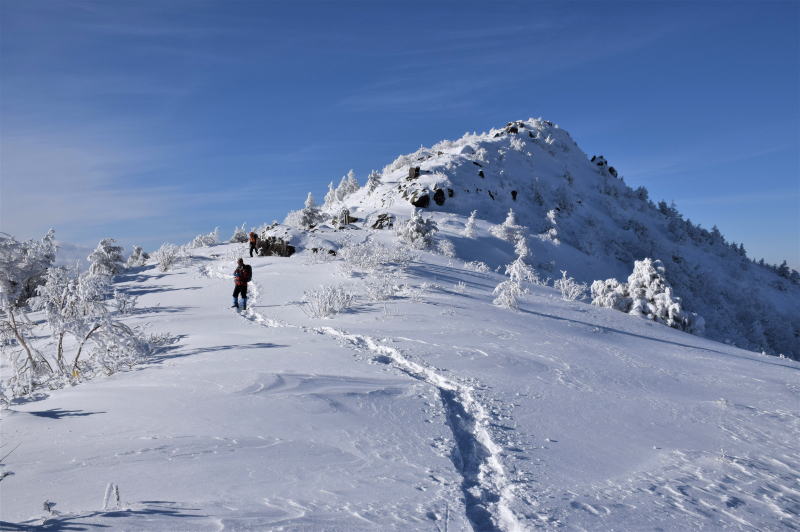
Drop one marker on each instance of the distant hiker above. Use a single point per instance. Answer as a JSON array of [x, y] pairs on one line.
[[242, 275], [253, 243]]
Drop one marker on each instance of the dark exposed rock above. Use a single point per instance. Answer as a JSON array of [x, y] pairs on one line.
[[480, 173], [512, 129], [438, 196], [450, 192], [490, 194], [383, 221], [612, 171], [514, 195], [323, 250], [477, 163], [421, 201], [274, 246], [531, 135], [413, 172]]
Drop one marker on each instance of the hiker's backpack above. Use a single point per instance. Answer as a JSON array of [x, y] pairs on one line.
[[248, 273]]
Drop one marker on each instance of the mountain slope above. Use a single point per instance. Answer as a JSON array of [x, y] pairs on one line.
[[589, 222], [433, 409]]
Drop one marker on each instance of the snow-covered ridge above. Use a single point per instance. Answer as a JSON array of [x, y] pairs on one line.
[[584, 218]]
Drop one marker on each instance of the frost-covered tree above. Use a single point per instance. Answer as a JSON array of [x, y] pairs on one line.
[[647, 294], [106, 259], [347, 186], [239, 235], [520, 272], [208, 239], [507, 294], [509, 229], [137, 258], [373, 181], [23, 267], [310, 215], [330, 198], [446, 248], [469, 227], [166, 256], [570, 289], [417, 232]]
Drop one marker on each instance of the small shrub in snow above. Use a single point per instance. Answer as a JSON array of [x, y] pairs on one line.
[[371, 256], [325, 301], [647, 294], [124, 302], [239, 235], [570, 289], [517, 144], [507, 294], [460, 287], [418, 231], [106, 259], [469, 227], [166, 256], [476, 266], [381, 286], [208, 239], [138, 258], [446, 248]]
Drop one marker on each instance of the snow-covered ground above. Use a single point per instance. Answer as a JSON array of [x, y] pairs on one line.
[[434, 410]]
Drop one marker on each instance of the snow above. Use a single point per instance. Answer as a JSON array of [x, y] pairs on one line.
[[437, 411], [415, 403]]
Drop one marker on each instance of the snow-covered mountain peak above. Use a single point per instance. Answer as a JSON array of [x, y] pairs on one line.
[[582, 217]]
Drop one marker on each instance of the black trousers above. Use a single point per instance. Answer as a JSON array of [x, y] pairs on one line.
[[252, 248], [240, 290]]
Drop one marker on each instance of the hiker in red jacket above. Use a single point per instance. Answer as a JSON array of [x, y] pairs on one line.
[[253, 243], [241, 276]]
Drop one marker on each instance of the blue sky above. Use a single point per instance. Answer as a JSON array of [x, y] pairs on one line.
[[154, 121]]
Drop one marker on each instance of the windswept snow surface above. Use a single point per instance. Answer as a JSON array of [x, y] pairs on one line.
[[434, 410]]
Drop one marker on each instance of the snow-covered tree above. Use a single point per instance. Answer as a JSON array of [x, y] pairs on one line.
[[239, 235], [647, 294], [570, 289], [611, 294], [347, 186], [507, 294], [106, 259], [520, 272], [417, 232], [208, 239], [446, 248], [137, 258], [23, 267], [373, 181], [509, 229], [310, 215], [166, 256], [469, 227], [330, 198]]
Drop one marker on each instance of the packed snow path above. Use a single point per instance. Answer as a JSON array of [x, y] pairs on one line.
[[597, 420], [486, 489]]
